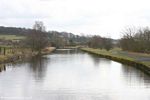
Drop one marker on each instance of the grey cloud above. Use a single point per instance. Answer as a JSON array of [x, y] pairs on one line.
[[85, 16]]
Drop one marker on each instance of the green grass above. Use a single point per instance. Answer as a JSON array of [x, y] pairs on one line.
[[113, 53], [12, 37], [117, 52], [146, 63]]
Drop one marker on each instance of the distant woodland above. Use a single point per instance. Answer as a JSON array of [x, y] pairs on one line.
[[136, 40]]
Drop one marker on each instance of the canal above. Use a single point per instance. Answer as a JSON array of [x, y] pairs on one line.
[[72, 75]]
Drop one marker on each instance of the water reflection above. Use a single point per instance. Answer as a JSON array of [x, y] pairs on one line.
[[134, 76], [2, 67], [97, 60], [73, 75], [67, 51], [38, 65]]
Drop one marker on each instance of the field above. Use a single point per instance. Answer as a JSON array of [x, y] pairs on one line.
[[11, 37]]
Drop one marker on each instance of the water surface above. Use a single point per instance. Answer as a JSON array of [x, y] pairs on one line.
[[72, 75]]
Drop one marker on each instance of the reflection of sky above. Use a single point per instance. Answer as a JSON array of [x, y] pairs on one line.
[[74, 77]]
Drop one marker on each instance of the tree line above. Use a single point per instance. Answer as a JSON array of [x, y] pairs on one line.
[[100, 42], [13, 31], [38, 38], [57, 39], [136, 40]]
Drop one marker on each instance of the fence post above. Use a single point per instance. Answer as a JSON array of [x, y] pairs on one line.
[[4, 51]]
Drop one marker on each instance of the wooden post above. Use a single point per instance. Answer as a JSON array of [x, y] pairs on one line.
[[0, 50], [4, 51]]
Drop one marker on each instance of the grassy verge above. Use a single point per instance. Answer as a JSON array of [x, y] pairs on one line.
[[128, 58], [21, 54]]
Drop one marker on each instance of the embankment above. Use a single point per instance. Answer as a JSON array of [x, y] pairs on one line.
[[121, 59], [23, 56]]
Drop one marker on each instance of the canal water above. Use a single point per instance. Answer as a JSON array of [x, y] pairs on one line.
[[72, 75]]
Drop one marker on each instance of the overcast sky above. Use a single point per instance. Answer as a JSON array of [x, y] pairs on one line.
[[103, 17]]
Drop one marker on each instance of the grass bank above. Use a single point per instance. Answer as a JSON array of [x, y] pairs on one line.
[[138, 60], [22, 54]]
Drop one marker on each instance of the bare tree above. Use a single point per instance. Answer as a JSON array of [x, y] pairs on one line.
[[107, 44], [137, 41], [96, 42], [37, 39], [100, 42]]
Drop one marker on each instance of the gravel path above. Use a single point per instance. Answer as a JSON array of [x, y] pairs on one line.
[[137, 57]]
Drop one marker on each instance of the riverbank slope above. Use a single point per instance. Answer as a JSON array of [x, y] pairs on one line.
[[20, 55], [138, 60]]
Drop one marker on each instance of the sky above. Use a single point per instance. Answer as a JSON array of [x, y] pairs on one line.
[[101, 17]]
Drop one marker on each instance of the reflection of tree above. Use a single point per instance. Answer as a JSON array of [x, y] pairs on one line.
[[134, 76], [38, 65], [2, 68], [97, 60]]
